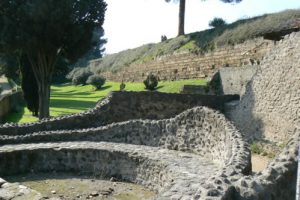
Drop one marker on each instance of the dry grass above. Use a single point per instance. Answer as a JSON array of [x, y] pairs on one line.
[[203, 41]]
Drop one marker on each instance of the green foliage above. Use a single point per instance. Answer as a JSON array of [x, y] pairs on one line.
[[217, 22], [29, 86], [1, 89], [80, 76], [255, 148], [122, 86], [163, 38], [151, 82], [96, 80], [47, 30], [9, 66]]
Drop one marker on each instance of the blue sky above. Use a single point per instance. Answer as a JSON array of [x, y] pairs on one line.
[[131, 23]]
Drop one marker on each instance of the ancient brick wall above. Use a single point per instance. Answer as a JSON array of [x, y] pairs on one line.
[[192, 66]]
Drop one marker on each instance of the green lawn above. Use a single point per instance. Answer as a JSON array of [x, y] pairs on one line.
[[68, 99]]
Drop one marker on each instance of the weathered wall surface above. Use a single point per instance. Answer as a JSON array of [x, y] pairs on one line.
[[122, 106], [270, 107], [278, 180], [191, 66], [8, 103], [233, 80]]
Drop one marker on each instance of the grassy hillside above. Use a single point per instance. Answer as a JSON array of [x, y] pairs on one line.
[[68, 99], [203, 41]]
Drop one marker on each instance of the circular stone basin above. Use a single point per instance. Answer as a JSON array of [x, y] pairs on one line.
[[190, 156], [69, 187]]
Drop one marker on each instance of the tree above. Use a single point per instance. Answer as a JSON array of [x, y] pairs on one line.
[[217, 22], [9, 66], [29, 86], [182, 12], [46, 30], [181, 16]]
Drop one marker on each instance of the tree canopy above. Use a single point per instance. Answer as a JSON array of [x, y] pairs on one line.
[[46, 30]]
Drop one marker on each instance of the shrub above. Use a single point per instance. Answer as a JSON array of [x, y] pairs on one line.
[[122, 86], [81, 76], [96, 80], [255, 148], [163, 38], [217, 22], [151, 82]]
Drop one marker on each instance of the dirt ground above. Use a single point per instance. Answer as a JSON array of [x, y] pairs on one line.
[[259, 162], [67, 187]]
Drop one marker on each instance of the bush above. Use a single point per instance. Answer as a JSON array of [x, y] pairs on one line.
[[80, 76], [255, 148], [163, 38], [151, 82], [96, 80], [217, 22], [122, 86]]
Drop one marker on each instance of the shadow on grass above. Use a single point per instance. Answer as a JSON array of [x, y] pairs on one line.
[[104, 88], [15, 116], [156, 89], [72, 104], [72, 95]]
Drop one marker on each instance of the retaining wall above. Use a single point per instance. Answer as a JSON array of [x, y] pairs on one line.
[[193, 66]]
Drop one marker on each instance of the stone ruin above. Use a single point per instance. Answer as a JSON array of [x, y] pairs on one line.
[[181, 146]]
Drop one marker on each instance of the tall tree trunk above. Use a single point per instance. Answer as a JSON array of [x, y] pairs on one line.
[[43, 67], [44, 99], [181, 17]]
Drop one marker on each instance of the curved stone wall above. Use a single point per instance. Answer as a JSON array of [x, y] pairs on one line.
[[199, 130], [278, 180], [123, 106], [174, 156]]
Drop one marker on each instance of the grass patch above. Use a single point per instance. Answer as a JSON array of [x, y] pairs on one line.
[[68, 99], [255, 148]]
